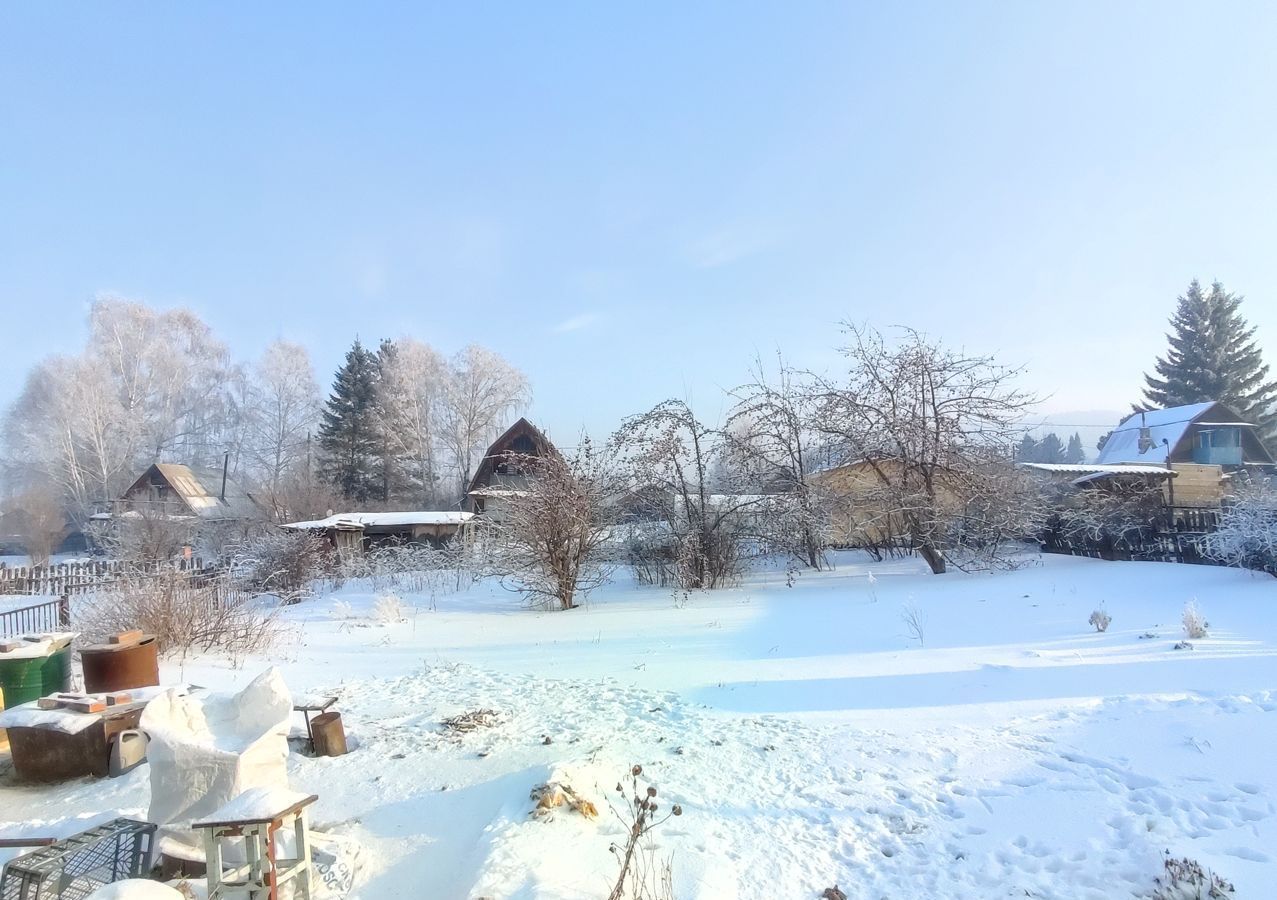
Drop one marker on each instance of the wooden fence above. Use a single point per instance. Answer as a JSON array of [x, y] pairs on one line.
[[1177, 534], [68, 579]]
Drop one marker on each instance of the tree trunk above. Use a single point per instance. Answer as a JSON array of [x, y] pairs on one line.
[[934, 558]]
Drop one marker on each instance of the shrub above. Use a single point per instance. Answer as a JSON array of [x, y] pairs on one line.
[[1100, 619], [389, 609], [185, 614], [1247, 536], [1195, 624], [283, 563]]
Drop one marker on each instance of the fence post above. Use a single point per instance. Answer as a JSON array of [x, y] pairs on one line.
[[64, 611]]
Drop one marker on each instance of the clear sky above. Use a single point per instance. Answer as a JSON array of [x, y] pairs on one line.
[[629, 203]]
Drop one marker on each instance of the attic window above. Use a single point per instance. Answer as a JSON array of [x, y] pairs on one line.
[[523, 446]]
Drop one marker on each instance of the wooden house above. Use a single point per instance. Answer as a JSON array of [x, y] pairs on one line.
[[173, 491], [1204, 445], [499, 474]]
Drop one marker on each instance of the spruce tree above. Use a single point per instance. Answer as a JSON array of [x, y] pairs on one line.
[[348, 436], [1074, 454], [1051, 449], [1028, 450], [1213, 355]]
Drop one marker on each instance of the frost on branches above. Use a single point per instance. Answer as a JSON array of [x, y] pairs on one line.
[[933, 432], [1247, 536], [549, 539]]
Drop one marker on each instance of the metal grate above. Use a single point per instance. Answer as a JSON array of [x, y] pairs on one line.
[[74, 868]]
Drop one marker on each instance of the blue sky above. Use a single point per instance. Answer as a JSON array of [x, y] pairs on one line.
[[629, 203]]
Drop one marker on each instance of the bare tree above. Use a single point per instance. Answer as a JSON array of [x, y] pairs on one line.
[[935, 429], [550, 539], [771, 433], [482, 390], [43, 522], [704, 530], [282, 412]]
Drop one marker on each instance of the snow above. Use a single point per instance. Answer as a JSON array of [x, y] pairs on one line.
[[808, 739], [385, 519], [29, 715], [1165, 425], [135, 889], [38, 645], [257, 803]]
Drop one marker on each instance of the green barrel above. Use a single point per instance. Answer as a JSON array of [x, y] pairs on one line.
[[24, 680]]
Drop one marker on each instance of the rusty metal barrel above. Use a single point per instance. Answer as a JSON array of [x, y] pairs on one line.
[[122, 666], [330, 734]]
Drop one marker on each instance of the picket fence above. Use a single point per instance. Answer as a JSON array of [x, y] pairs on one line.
[[70, 579]]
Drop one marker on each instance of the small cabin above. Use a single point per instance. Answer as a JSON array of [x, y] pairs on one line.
[[501, 473], [173, 491]]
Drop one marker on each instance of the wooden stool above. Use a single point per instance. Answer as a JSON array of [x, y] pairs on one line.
[[307, 707], [263, 872]]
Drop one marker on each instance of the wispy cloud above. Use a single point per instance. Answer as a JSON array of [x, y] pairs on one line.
[[576, 323], [729, 244]]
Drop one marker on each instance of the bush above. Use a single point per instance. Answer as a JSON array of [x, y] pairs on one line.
[[1100, 619], [185, 614], [1247, 536], [1195, 624], [283, 563]]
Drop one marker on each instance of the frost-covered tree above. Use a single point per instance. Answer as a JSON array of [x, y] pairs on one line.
[[349, 437], [552, 539], [771, 435], [936, 429], [1247, 536], [150, 385], [410, 406], [482, 392], [1214, 356], [700, 532], [281, 413]]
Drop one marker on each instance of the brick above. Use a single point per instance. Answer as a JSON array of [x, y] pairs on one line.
[[126, 637]]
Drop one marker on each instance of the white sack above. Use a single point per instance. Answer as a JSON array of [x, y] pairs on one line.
[[207, 750]]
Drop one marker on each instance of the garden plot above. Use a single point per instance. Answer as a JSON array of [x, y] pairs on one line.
[[810, 734]]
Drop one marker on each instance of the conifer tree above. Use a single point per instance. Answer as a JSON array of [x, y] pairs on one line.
[[348, 437], [1051, 449], [1028, 450], [1213, 356], [1074, 453]]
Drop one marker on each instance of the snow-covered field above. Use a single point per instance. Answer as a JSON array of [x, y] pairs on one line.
[[808, 737]]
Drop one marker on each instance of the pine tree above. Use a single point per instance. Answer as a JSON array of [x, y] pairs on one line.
[[348, 436], [1075, 454], [1051, 449], [1213, 356], [1028, 451]]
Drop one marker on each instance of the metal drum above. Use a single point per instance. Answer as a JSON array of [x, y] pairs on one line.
[[121, 667], [24, 678]]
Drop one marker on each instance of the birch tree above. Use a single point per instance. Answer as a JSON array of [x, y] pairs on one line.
[[481, 393], [282, 413]]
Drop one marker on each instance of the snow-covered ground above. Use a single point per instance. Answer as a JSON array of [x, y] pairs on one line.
[[808, 737]]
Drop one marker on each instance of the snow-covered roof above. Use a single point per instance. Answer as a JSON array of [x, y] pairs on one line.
[[1097, 469], [1164, 425], [385, 519]]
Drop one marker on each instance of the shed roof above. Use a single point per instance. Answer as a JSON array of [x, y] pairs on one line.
[[384, 520]]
